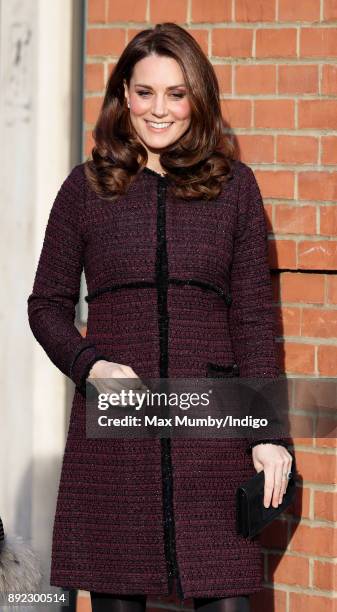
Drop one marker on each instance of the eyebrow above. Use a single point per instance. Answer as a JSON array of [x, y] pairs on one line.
[[149, 86]]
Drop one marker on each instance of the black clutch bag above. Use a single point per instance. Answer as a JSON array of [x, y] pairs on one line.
[[251, 514]]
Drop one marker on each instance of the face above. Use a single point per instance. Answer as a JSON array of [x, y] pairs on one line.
[[159, 106]]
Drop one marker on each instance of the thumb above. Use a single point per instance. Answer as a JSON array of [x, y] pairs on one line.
[[257, 464]]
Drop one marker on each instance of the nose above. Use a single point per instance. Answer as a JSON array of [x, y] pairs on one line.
[[159, 106]]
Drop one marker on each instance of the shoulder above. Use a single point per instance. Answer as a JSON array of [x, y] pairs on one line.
[[73, 188], [241, 172], [245, 183], [71, 195], [76, 177]]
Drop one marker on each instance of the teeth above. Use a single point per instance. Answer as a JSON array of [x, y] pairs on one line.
[[159, 125]]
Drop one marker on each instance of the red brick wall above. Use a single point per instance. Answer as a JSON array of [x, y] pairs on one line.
[[276, 61]]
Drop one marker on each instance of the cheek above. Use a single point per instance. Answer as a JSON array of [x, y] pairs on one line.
[[182, 111], [138, 105]]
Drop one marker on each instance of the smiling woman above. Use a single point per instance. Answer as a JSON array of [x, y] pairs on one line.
[[171, 234], [160, 111], [155, 113]]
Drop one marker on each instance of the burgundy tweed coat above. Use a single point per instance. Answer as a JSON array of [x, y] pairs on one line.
[[173, 285]]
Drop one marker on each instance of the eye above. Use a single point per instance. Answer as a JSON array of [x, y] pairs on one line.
[[177, 96]]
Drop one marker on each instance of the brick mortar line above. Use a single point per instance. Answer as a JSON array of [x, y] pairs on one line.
[[298, 41], [311, 574], [189, 11], [317, 450], [320, 488], [295, 185], [297, 376], [298, 555], [223, 60], [254, 45], [299, 203], [309, 340], [320, 150], [279, 60], [316, 521], [316, 359], [219, 25], [319, 306], [301, 237], [219, 60], [320, 79], [283, 131], [301, 590], [235, 96], [321, 10], [309, 97], [307, 167], [311, 504]]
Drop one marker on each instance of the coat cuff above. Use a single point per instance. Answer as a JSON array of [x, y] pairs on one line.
[[82, 363], [279, 441]]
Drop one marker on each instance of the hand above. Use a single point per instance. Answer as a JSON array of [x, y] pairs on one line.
[[276, 462], [105, 375]]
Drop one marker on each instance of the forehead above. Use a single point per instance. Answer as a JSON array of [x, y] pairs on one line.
[[158, 71]]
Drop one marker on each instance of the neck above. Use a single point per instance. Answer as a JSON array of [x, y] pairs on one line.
[[153, 162]]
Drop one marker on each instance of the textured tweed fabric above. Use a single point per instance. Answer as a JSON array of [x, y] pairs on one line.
[[172, 285]]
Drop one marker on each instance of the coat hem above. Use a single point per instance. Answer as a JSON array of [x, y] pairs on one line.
[[98, 587], [155, 591]]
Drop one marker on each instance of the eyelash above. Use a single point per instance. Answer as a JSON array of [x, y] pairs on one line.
[[145, 93]]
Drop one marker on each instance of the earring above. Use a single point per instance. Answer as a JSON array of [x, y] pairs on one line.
[[128, 104]]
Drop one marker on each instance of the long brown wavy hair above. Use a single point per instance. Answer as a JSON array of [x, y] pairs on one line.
[[200, 161]]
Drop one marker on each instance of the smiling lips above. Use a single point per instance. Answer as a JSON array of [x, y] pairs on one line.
[[158, 126]]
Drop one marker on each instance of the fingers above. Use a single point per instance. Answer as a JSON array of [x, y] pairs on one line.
[[285, 480], [117, 385], [278, 483], [268, 485], [276, 480], [112, 378]]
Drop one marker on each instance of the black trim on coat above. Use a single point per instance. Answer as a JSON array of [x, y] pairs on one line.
[[174, 281], [162, 282]]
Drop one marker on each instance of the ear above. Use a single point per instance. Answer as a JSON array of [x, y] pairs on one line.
[[126, 90]]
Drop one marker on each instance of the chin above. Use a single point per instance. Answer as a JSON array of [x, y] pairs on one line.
[[160, 140]]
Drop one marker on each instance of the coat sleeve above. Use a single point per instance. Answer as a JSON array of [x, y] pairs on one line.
[[251, 315], [55, 293]]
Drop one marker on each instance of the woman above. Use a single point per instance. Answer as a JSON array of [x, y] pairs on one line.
[[171, 233]]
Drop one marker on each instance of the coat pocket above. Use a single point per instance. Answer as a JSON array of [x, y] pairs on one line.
[[218, 370]]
